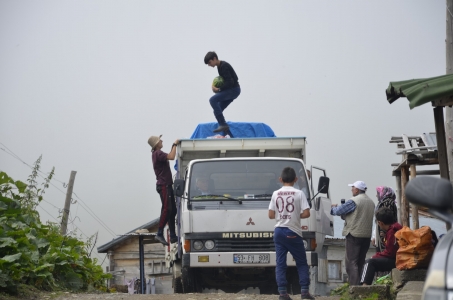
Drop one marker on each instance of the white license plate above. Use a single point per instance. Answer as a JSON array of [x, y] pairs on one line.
[[251, 258]]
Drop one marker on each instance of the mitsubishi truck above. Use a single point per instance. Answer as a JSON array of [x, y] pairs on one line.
[[223, 189]]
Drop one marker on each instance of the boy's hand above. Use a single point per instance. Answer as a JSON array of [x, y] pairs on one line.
[[215, 90], [176, 142]]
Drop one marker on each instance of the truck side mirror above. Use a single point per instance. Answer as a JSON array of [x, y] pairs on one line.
[[178, 187], [323, 185]]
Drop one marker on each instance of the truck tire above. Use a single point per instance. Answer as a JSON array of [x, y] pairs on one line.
[[177, 285], [189, 281], [294, 286]]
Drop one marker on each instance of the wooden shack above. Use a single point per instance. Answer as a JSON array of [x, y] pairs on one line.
[[124, 264], [417, 150]]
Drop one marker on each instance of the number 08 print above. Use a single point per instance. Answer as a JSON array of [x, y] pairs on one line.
[[285, 206]]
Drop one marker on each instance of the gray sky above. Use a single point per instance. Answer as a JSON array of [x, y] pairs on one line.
[[85, 83]]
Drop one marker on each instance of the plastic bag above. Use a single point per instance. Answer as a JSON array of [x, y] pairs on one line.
[[218, 136], [415, 248]]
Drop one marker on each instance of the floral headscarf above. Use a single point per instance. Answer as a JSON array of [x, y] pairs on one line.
[[384, 192]]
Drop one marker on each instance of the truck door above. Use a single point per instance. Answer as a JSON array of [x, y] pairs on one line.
[[322, 204]]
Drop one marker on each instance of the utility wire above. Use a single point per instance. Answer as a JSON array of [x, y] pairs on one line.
[[11, 153], [92, 214]]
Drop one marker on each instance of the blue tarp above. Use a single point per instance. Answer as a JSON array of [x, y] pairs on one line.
[[238, 129]]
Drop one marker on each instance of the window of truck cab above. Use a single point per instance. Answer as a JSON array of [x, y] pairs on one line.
[[247, 180]]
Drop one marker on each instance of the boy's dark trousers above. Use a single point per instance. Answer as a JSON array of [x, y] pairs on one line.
[[168, 210], [287, 241], [374, 265]]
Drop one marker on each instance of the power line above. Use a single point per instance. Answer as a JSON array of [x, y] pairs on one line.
[[87, 209], [18, 158], [73, 225]]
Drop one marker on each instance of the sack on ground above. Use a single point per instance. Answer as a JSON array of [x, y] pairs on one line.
[[415, 248]]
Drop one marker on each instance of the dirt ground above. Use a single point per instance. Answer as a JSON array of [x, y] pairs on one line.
[[180, 297]]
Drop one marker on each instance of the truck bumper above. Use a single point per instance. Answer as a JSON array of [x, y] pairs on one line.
[[225, 259]]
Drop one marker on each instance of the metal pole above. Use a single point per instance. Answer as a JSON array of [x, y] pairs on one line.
[[67, 204], [449, 70]]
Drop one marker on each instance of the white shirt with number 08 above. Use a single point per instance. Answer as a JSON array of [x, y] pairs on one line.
[[288, 203]]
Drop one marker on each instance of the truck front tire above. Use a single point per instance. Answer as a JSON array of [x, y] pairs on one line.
[[190, 282]]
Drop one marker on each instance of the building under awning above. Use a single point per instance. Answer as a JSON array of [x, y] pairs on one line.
[[437, 90]]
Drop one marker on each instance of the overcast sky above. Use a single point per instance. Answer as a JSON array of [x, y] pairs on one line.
[[85, 83]]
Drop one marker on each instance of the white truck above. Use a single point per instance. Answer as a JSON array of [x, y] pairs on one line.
[[223, 189]]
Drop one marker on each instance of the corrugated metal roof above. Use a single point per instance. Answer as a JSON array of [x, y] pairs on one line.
[[437, 225], [421, 91], [106, 247]]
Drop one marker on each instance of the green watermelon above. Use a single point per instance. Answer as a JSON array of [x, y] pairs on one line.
[[218, 82]]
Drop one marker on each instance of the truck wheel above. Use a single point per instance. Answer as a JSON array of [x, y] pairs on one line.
[[294, 286], [177, 285], [189, 280]]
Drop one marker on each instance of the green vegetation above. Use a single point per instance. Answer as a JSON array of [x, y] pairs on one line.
[[36, 254], [343, 290]]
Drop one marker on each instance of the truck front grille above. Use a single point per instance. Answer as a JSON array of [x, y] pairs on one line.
[[245, 245]]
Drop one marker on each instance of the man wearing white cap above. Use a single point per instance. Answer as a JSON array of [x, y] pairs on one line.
[[164, 187], [358, 213]]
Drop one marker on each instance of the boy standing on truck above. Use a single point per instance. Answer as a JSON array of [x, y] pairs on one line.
[[227, 93], [288, 205], [164, 187]]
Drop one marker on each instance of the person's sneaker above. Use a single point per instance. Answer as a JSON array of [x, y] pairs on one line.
[[221, 128], [287, 297], [161, 239], [306, 296], [173, 239]]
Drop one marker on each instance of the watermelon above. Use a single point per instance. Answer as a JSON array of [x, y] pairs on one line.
[[218, 82]]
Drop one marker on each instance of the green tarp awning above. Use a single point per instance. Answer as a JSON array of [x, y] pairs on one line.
[[421, 91]]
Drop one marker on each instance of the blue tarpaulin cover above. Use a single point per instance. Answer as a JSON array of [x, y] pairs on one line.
[[238, 129]]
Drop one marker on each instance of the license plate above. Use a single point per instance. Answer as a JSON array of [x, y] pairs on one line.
[[251, 258]]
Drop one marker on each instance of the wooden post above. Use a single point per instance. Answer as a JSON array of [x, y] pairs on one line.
[[67, 204], [404, 203], [441, 142], [415, 221], [398, 197]]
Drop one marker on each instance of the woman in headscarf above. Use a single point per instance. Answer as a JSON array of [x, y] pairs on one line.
[[386, 198]]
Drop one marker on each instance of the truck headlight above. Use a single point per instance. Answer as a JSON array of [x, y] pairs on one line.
[[209, 244], [198, 245]]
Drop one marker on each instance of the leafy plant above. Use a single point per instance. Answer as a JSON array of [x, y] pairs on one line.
[[384, 280], [340, 291], [37, 254]]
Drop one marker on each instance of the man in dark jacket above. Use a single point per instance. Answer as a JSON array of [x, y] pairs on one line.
[[229, 91], [385, 260]]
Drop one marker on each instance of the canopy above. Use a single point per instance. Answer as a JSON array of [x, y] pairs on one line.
[[238, 129], [421, 91]]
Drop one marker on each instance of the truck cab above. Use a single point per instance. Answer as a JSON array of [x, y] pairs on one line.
[[223, 190]]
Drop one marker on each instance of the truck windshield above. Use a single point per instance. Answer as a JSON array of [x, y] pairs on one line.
[[245, 180]]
